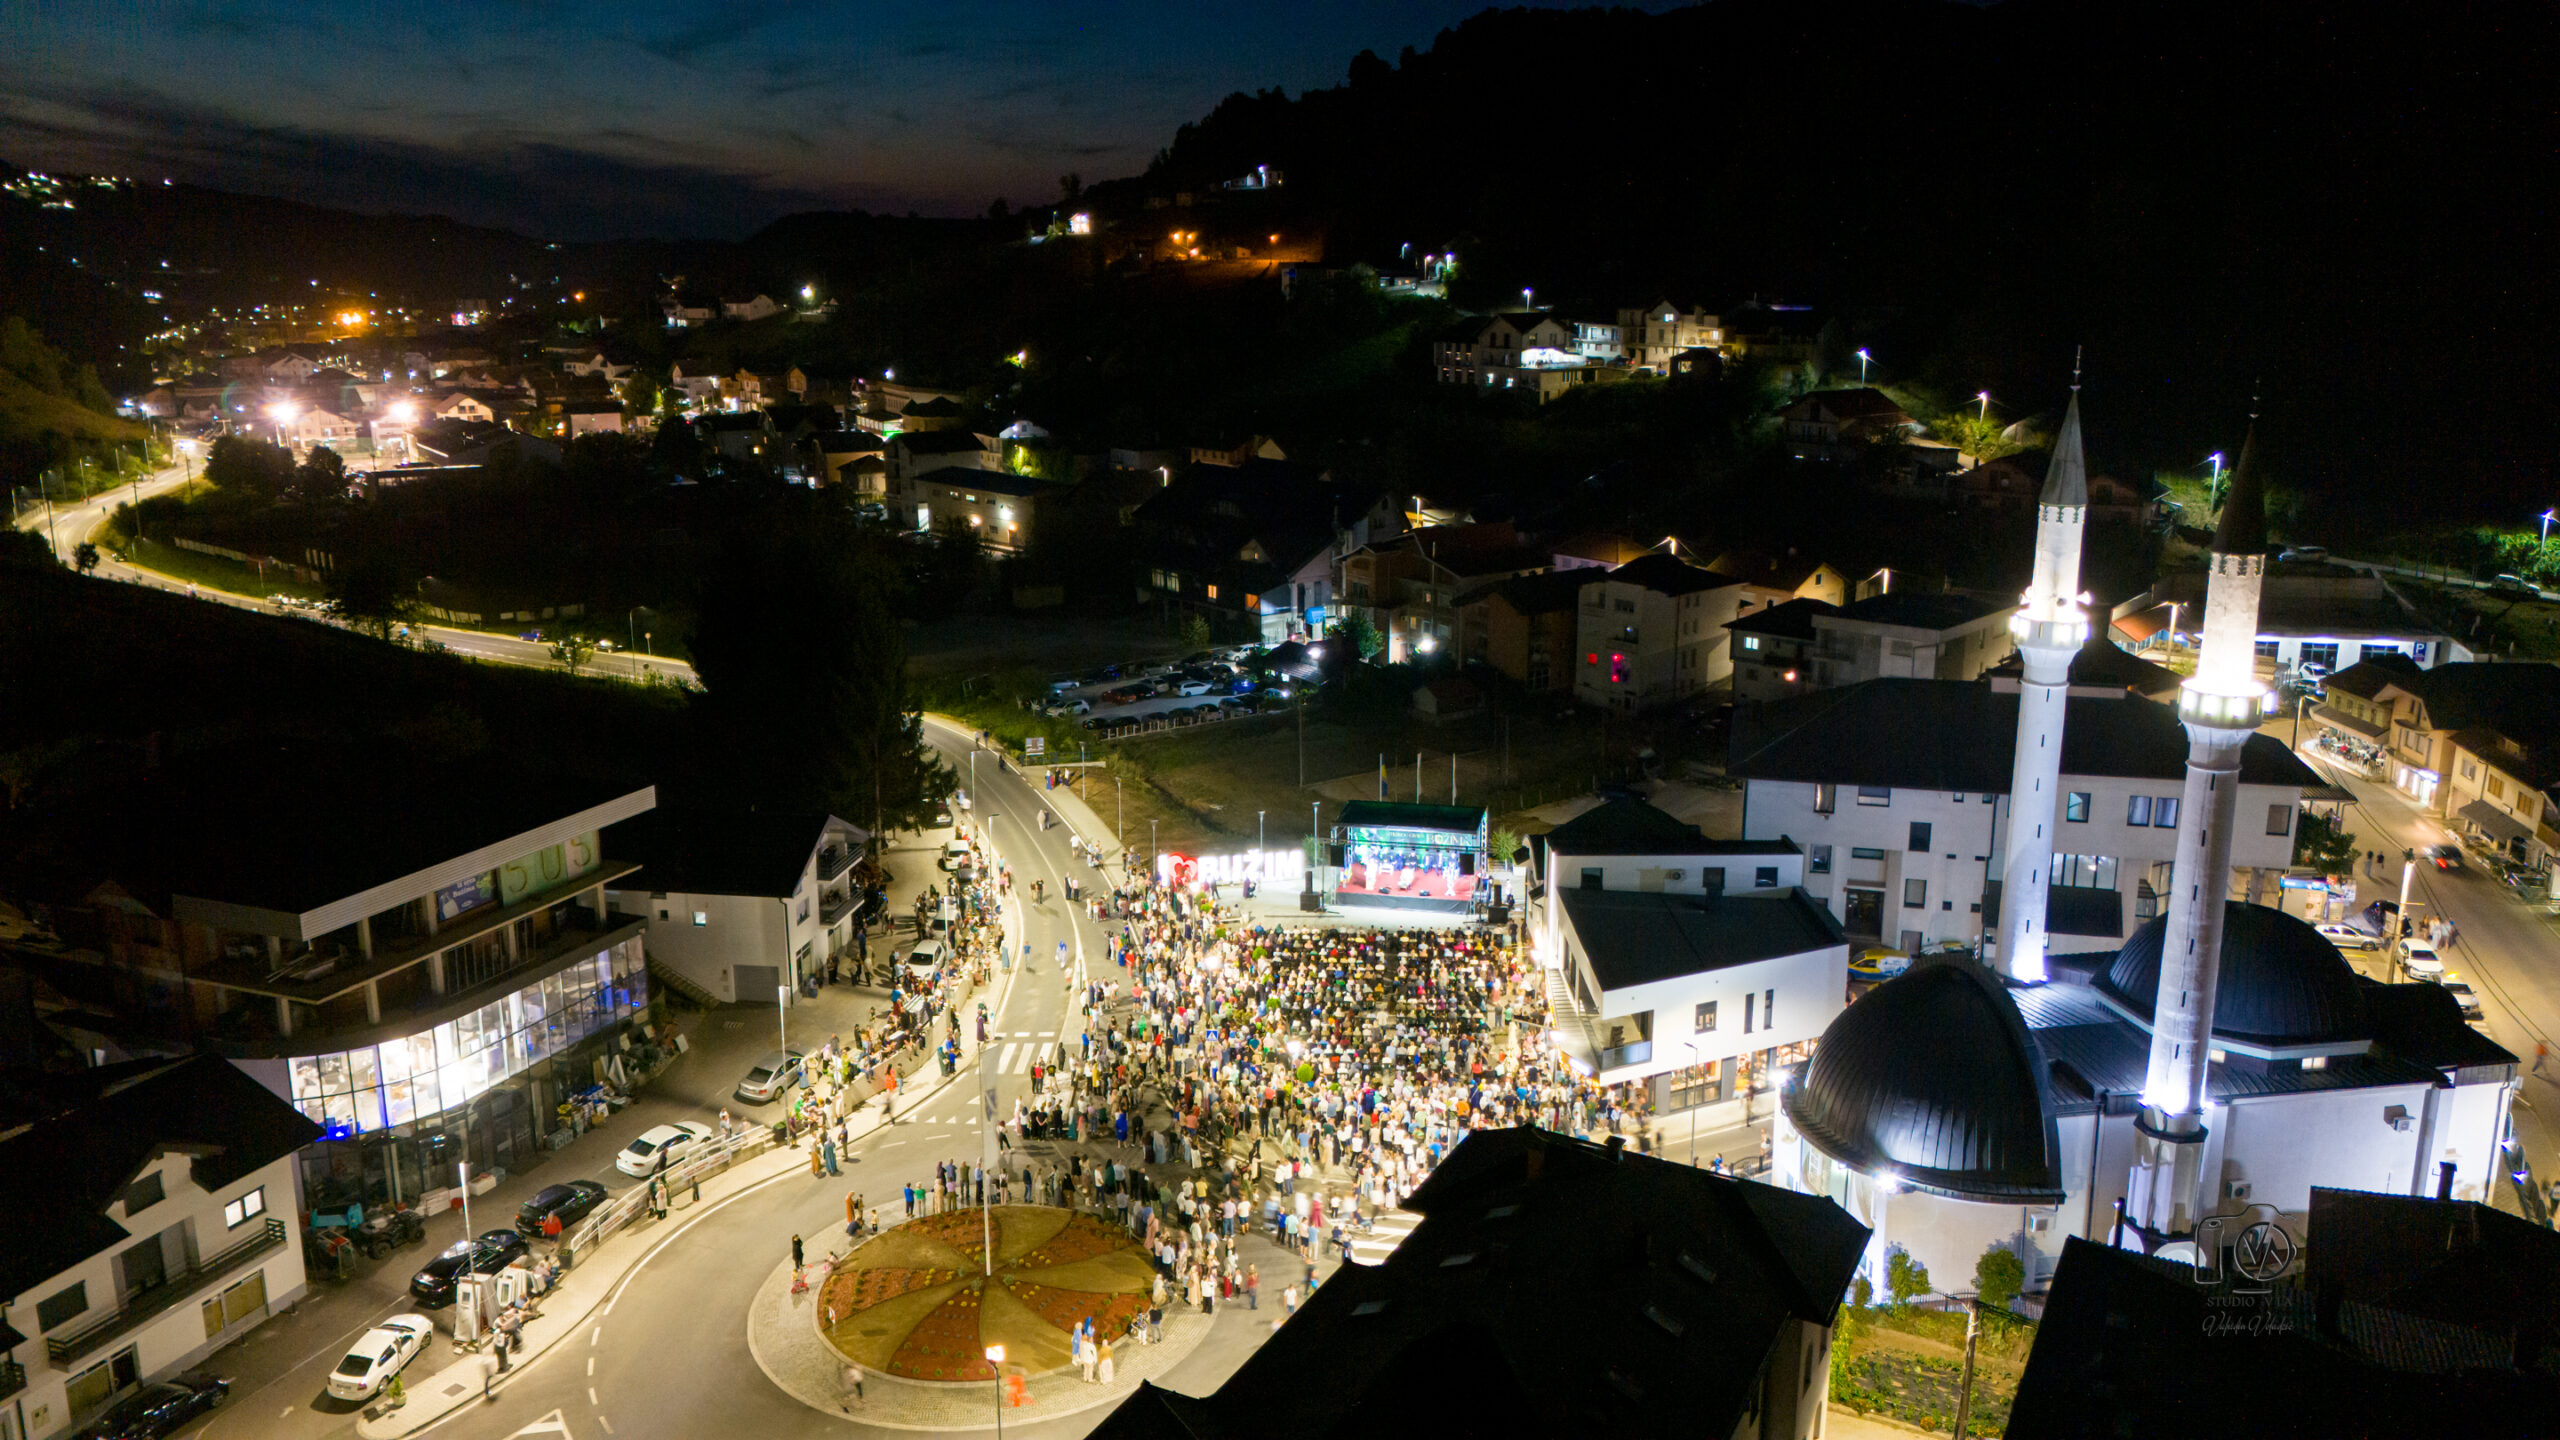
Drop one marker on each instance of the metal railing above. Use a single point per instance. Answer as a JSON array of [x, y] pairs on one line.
[[631, 1204], [833, 861], [13, 1378], [178, 1288]]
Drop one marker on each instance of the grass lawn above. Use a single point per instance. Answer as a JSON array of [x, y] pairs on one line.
[[1910, 1366], [216, 573], [2509, 628]]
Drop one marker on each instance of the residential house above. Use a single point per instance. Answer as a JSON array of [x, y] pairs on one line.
[[2012, 482], [1652, 632], [461, 405], [1409, 585], [1524, 628], [742, 391], [1595, 549], [1677, 961], [914, 454], [1253, 547], [744, 907], [1894, 788], [599, 363], [759, 306], [683, 312], [1773, 650], [477, 442], [1834, 426], [2503, 793], [1946, 635], [697, 388], [1233, 453], [154, 1218], [742, 435], [848, 457], [999, 507], [1776, 335], [2484, 711], [590, 417], [2103, 665], [312, 426], [929, 413], [1600, 340], [1794, 575], [1652, 337], [1524, 351]]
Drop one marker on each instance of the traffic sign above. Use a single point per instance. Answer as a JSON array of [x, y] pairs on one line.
[[1036, 745]]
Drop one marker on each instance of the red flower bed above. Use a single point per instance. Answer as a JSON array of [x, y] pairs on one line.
[[945, 1344]]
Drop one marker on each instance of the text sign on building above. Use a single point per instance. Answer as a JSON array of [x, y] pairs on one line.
[[1260, 866], [549, 866]]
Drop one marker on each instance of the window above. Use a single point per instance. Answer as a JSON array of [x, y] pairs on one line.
[[1861, 852], [2267, 649], [2075, 807], [1768, 1009], [2085, 871], [1915, 894], [1590, 877], [2497, 788], [1919, 835], [2138, 811], [1706, 1016], [2164, 813], [804, 909], [1750, 642], [2279, 819], [1818, 859], [1765, 878], [1746, 1013], [145, 1192], [1875, 794], [62, 1305], [1826, 798], [2315, 1062], [2323, 655], [245, 1209], [2470, 768]]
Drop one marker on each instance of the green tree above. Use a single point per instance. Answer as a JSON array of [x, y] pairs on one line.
[[639, 394], [321, 476], [2322, 844], [1195, 631], [86, 557], [371, 593], [259, 470], [572, 652], [1905, 1279], [1360, 632], [1998, 1277], [1975, 436]]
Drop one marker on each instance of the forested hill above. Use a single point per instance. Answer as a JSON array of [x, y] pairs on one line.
[[2348, 200]]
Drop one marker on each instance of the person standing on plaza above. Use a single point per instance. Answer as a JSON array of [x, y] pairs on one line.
[[1105, 1366]]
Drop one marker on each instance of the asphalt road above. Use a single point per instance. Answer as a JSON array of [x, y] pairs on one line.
[[71, 524]]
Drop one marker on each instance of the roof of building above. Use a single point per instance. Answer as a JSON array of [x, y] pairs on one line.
[[1919, 609], [1548, 592], [1637, 938], [72, 1161], [708, 852], [1553, 1287], [2520, 702], [2280, 982], [1961, 735], [1399, 815], [847, 442], [1628, 827], [1663, 575], [938, 407], [937, 442], [1933, 1078], [2365, 678], [1601, 545], [1790, 619], [2103, 663], [2066, 480]]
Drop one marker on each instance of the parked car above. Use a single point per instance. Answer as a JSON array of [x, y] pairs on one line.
[[2381, 917], [492, 1252], [2464, 996], [2515, 585], [379, 1354], [156, 1410], [568, 1203], [2421, 960], [2304, 552], [775, 1072], [925, 957], [956, 857], [1061, 684], [2447, 857], [1875, 962], [1127, 694], [1072, 705], [663, 1147], [2348, 937], [1192, 687]]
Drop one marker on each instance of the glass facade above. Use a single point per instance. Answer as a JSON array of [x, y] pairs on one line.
[[400, 1082]]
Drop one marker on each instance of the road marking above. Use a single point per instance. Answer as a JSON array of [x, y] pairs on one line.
[[551, 1424], [591, 1395], [607, 1424], [287, 1411], [591, 1365], [1004, 1064], [595, 1335]]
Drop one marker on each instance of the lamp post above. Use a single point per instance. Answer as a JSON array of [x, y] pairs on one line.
[[1985, 398], [782, 1014], [1863, 358], [995, 1358], [2546, 527]]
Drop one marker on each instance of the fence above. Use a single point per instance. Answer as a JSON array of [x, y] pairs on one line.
[[706, 1160]]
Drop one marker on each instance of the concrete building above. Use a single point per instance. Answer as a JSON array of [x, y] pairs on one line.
[[1679, 963], [1524, 627], [1894, 788], [1946, 635], [1408, 584], [153, 1210], [2316, 614], [1652, 337], [1652, 632], [1833, 426], [740, 906]]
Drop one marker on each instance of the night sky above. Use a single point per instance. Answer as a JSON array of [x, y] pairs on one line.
[[582, 120]]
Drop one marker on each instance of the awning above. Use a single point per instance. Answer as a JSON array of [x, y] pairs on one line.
[[2327, 716], [2502, 827]]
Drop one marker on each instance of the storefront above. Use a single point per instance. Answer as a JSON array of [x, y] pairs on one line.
[[485, 1086], [2417, 782]]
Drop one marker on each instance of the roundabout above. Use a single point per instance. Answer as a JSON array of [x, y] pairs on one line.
[[920, 1302]]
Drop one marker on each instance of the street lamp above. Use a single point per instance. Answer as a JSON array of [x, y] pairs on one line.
[[2546, 527], [782, 1015], [995, 1359], [1863, 358], [1985, 398]]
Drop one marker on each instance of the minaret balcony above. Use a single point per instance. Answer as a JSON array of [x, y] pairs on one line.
[[2067, 632], [2228, 712]]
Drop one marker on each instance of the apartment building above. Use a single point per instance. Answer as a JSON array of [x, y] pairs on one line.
[[1653, 632], [1653, 336], [743, 906]]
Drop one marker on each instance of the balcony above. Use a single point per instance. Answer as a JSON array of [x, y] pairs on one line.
[[1637, 1053], [13, 1378], [833, 861], [834, 905], [181, 1287]]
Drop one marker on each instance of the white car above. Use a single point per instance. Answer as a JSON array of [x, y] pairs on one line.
[[1192, 687], [1072, 705], [663, 1147], [927, 955], [2463, 996], [2347, 937], [379, 1354], [960, 798], [2421, 961]]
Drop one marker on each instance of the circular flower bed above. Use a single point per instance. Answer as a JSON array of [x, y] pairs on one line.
[[919, 1301]]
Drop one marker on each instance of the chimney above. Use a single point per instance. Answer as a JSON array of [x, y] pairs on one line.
[[2444, 1179]]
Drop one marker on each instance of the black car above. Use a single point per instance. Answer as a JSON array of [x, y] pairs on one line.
[[489, 1254], [570, 1203], [156, 1410]]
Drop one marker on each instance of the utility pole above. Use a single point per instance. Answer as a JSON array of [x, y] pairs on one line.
[[1964, 1396]]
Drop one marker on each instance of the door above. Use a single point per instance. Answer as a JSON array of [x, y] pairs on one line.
[[1865, 913], [757, 984]]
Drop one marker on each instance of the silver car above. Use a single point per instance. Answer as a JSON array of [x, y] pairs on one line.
[[776, 1072]]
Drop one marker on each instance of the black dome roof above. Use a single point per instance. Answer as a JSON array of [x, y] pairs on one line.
[[1933, 1077], [2282, 982]]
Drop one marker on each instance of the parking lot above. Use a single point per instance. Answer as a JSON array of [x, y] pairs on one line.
[[1116, 699]]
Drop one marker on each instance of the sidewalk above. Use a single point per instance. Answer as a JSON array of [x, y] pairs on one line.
[[598, 1276]]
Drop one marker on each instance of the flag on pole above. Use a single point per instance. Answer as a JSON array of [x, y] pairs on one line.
[[1382, 776]]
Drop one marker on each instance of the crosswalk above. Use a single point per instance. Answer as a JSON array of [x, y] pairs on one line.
[[1382, 1240], [1016, 1057]]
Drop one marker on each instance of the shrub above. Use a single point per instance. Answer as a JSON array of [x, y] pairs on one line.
[[1905, 1279], [1998, 1276]]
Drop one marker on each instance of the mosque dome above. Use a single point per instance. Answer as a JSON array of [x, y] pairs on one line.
[[2282, 983], [1933, 1079]]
